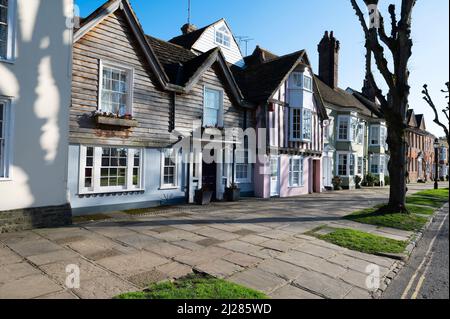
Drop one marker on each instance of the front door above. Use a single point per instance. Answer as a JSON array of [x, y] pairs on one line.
[[209, 178], [327, 166], [274, 176]]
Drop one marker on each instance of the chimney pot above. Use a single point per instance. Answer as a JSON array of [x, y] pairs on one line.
[[188, 28]]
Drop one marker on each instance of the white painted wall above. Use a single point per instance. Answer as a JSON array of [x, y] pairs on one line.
[[207, 42], [38, 82]]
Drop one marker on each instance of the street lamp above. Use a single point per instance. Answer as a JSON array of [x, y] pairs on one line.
[[436, 160]]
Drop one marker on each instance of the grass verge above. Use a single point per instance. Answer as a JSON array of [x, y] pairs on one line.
[[195, 287], [422, 203], [361, 241]]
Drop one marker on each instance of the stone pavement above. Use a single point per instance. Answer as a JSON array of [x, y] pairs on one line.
[[257, 243]]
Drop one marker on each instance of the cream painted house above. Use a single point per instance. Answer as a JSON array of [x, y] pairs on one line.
[[35, 86]]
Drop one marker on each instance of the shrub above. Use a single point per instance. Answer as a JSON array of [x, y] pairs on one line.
[[337, 183], [370, 180], [387, 181]]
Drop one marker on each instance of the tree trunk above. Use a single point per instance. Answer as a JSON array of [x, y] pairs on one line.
[[397, 168]]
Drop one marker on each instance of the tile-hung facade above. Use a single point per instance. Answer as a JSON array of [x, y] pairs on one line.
[[354, 135], [34, 101], [133, 97], [288, 110]]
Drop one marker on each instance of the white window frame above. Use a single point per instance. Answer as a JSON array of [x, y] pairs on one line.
[[96, 187], [309, 89], [130, 76], [247, 164], [224, 35], [380, 161], [360, 166], [11, 36], [164, 186], [7, 127], [349, 156], [221, 101], [301, 137], [297, 80], [300, 172], [380, 138], [341, 119]]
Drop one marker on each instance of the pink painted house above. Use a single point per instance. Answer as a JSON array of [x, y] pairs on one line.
[[291, 112]]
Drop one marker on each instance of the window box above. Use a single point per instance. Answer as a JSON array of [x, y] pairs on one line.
[[115, 121]]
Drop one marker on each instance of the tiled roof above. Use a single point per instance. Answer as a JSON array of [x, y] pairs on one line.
[[342, 98], [188, 40], [260, 81]]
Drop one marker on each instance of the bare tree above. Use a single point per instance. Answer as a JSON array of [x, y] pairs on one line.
[[445, 110], [395, 104]]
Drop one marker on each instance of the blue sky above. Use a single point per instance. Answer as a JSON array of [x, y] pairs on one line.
[[284, 26]]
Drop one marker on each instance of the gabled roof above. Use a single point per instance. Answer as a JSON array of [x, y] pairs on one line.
[[411, 119], [341, 98], [420, 119], [108, 8], [262, 78], [188, 40], [372, 106], [176, 68], [185, 68]]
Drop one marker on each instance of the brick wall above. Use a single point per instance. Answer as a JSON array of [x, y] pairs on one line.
[[30, 218]]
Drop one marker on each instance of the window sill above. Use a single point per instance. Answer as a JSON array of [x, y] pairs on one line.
[[111, 121], [105, 192], [296, 187], [168, 188], [8, 179], [8, 61]]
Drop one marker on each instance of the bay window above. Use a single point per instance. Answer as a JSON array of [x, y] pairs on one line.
[[169, 169], [116, 83], [7, 23], [360, 166], [346, 164], [296, 171], [378, 164], [301, 124], [307, 83], [110, 169], [343, 128], [213, 108], [377, 136], [307, 125]]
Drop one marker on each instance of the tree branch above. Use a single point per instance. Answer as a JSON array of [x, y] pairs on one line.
[[430, 102], [374, 45]]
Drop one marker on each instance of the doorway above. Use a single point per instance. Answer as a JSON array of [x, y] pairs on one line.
[[209, 178], [316, 176], [274, 176]]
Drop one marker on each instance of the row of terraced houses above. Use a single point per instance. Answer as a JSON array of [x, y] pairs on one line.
[[89, 117]]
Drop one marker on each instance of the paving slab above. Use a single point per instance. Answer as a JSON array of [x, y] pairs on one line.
[[313, 263], [52, 257], [28, 287], [13, 272], [133, 264], [138, 241], [203, 256], [175, 270], [358, 294], [34, 247], [243, 260], [62, 295], [258, 279], [167, 250], [216, 234], [281, 269], [58, 272], [316, 250], [291, 292], [144, 279], [105, 287], [322, 285], [8, 257], [219, 268]]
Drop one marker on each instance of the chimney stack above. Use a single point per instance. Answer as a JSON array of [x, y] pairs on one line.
[[329, 59], [368, 91], [188, 28]]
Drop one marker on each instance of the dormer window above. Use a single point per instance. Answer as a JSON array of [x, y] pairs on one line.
[[223, 37]]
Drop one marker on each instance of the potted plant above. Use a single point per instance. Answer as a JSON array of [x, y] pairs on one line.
[[370, 180], [203, 196], [337, 183], [358, 181], [233, 193]]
